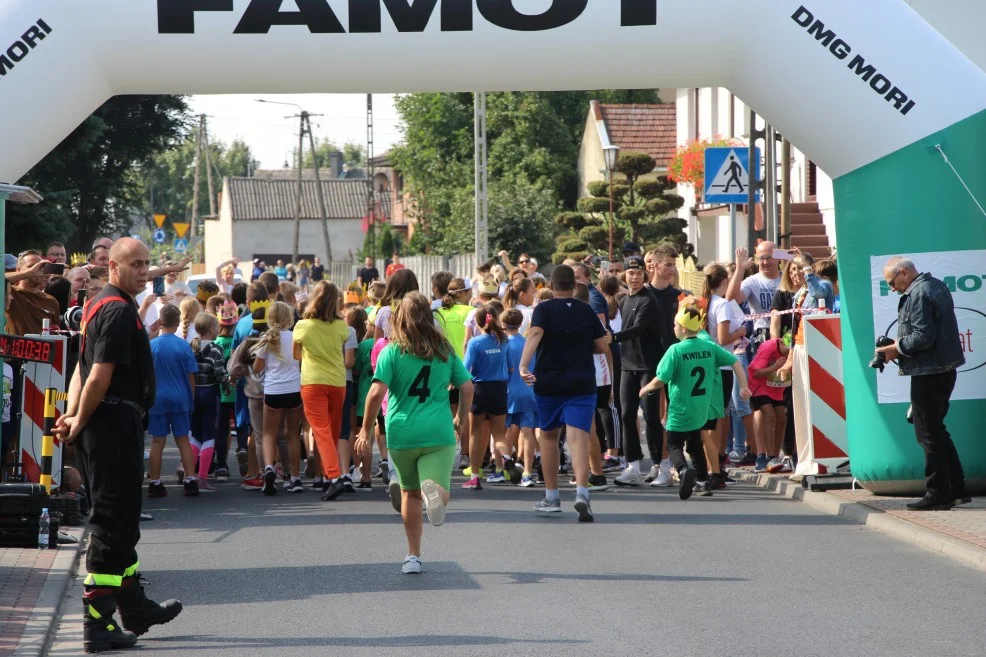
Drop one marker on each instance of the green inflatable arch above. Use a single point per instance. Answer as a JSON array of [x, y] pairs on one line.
[[868, 90]]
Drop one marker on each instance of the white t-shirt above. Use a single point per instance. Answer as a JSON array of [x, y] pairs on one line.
[[616, 324], [383, 320], [527, 312], [723, 311], [192, 333], [282, 375], [759, 291], [351, 343], [178, 287]]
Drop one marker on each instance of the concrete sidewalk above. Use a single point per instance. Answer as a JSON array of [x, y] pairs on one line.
[[32, 586], [959, 533]]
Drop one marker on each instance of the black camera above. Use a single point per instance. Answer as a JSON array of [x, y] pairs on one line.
[[72, 319], [880, 360]]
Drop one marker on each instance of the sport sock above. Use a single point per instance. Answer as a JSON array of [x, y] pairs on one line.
[[582, 491], [551, 495]]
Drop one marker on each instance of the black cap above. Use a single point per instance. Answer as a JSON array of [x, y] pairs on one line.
[[634, 262], [631, 247]]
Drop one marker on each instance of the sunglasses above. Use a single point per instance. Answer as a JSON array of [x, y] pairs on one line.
[[523, 262]]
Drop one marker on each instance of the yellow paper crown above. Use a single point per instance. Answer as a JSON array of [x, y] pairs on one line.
[[78, 259], [688, 321], [256, 305]]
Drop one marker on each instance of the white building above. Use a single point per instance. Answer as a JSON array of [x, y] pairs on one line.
[[256, 220]]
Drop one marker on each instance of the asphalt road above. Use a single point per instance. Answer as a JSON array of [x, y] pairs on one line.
[[742, 573]]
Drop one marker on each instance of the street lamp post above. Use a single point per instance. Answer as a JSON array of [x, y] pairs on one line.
[[611, 153]]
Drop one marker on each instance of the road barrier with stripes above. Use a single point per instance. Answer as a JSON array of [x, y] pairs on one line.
[[829, 441], [38, 378]]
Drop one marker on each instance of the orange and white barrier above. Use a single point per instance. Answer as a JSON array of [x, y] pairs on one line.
[[828, 443], [38, 377]]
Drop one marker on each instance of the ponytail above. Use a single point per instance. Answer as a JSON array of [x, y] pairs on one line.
[[517, 288], [196, 344], [487, 321]]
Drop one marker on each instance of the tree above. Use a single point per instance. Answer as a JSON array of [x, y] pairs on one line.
[[90, 180], [533, 137], [353, 154], [643, 212]]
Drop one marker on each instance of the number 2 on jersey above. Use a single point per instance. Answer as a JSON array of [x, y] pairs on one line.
[[419, 388], [698, 390]]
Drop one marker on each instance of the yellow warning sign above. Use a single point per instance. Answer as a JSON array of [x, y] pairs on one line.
[[181, 229], [159, 219]]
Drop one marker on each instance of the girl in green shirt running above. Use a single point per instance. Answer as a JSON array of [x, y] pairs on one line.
[[415, 369]]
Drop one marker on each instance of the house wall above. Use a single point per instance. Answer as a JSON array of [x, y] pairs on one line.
[[592, 161], [713, 120], [277, 236], [219, 236]]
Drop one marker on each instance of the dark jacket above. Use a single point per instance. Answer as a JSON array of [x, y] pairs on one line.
[[640, 339], [927, 332]]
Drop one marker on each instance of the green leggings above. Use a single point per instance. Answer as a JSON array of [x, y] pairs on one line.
[[416, 465]]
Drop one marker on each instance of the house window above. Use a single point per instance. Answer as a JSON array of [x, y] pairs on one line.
[[811, 179]]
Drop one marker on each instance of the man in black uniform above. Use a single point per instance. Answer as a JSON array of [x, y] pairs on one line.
[[109, 396]]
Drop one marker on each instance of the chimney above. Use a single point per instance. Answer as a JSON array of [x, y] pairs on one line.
[[335, 164]]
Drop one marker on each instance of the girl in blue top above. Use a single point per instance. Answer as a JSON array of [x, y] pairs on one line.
[[486, 360], [522, 414]]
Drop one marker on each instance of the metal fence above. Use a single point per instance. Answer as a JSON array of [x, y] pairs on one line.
[[462, 265]]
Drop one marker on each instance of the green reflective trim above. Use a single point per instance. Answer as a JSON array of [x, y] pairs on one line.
[[111, 627], [132, 570], [95, 614], [103, 580]]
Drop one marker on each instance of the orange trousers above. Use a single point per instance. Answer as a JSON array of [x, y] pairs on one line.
[[323, 410]]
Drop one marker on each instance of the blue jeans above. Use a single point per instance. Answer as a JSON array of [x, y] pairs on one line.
[[739, 409]]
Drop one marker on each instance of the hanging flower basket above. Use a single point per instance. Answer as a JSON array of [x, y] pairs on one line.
[[687, 167]]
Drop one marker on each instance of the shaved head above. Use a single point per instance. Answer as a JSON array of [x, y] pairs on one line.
[[124, 247], [129, 264]]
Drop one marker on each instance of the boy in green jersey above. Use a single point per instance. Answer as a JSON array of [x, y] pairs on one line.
[[415, 371], [688, 369]]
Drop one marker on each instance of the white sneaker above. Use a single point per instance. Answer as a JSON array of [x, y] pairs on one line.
[[629, 477], [655, 470], [434, 506], [412, 565], [787, 465], [664, 478], [774, 465]]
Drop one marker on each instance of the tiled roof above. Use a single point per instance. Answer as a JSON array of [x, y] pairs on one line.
[[253, 198], [651, 129]]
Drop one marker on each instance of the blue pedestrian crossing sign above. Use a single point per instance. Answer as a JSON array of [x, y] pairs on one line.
[[726, 176], [181, 245], [159, 236]]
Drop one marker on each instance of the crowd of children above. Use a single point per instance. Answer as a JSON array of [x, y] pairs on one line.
[[511, 369]]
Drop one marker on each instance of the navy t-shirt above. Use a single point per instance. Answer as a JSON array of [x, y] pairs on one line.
[[565, 366]]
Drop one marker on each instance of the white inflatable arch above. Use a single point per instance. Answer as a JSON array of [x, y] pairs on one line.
[[866, 89]]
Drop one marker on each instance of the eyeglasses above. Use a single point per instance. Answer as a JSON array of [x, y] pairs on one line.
[[893, 280], [764, 259], [523, 262]]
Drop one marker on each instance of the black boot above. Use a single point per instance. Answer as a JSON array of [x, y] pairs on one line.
[[138, 613], [100, 631]]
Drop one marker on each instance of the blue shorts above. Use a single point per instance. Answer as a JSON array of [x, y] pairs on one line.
[[161, 424], [524, 420], [578, 412]]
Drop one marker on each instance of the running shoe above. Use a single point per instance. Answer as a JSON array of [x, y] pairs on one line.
[[241, 459], [463, 461], [181, 475], [412, 565], [655, 472], [724, 460], [473, 484], [611, 464], [748, 459], [252, 483], [191, 488], [664, 478], [547, 506], [318, 483], [356, 475], [394, 488], [332, 490], [512, 471], [717, 480], [598, 482], [526, 481], [563, 469], [156, 490], [364, 486], [786, 465], [347, 484], [703, 489], [761, 463], [295, 487], [496, 478], [630, 477], [686, 483], [382, 469], [222, 474], [434, 506], [774, 465], [583, 508], [270, 487], [735, 457], [205, 486], [279, 475]]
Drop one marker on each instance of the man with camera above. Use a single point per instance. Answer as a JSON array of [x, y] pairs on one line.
[[928, 349], [29, 304]]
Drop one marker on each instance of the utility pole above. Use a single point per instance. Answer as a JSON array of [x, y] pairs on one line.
[[371, 205], [208, 166], [319, 192], [297, 193], [198, 178], [482, 196], [786, 192]]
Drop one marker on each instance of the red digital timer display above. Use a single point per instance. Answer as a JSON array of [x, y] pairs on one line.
[[18, 347]]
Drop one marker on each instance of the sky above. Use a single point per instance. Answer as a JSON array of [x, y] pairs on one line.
[[273, 138]]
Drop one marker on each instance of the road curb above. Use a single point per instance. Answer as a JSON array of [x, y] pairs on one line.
[[861, 514], [40, 630]]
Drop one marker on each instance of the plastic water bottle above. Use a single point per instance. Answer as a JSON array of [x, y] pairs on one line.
[[44, 528]]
